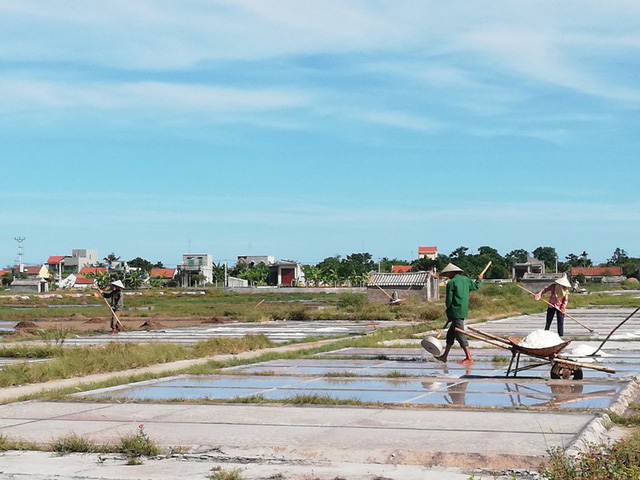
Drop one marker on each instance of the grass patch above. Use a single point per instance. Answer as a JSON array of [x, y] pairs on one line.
[[67, 362], [74, 443], [396, 374], [500, 359], [629, 421], [7, 443], [219, 473], [617, 462], [316, 399], [137, 445], [340, 374]]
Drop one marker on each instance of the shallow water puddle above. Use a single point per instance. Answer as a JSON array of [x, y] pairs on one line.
[[473, 392]]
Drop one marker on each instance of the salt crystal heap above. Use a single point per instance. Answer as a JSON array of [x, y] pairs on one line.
[[541, 339]]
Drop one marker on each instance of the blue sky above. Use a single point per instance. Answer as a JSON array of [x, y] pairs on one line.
[[306, 129]]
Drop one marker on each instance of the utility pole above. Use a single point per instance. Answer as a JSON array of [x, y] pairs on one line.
[[20, 252]]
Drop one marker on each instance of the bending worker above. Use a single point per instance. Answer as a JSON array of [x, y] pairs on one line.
[[557, 302], [457, 302], [116, 303]]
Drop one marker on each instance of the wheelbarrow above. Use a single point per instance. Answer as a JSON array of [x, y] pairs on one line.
[[561, 367]]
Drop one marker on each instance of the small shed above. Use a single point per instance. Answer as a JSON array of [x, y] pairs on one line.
[[420, 285], [531, 266], [286, 273], [29, 285]]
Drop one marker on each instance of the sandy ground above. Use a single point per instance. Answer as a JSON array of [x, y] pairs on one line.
[[90, 324]]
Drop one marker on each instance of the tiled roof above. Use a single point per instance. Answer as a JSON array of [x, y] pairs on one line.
[[86, 270], [597, 271], [398, 279], [82, 280], [427, 249], [55, 259], [163, 272], [400, 268], [4, 272], [33, 269]]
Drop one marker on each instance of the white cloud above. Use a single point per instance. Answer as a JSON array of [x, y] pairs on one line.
[[133, 95]]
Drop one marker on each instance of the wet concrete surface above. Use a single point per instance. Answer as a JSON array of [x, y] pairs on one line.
[[456, 430], [603, 320], [429, 390]]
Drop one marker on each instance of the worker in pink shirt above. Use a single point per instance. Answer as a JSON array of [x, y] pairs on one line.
[[558, 300]]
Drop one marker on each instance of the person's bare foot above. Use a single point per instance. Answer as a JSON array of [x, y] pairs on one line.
[[467, 361], [441, 358]]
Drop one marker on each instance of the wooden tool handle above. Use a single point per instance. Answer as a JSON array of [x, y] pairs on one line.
[[485, 269], [553, 306]]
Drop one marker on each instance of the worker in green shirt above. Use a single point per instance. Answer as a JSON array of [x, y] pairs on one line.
[[457, 302]]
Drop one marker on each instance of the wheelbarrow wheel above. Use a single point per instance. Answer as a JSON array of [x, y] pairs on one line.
[[559, 371]]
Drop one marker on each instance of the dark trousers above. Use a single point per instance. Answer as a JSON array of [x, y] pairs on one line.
[[114, 322], [452, 335], [550, 313]]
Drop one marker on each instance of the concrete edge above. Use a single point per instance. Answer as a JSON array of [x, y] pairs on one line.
[[595, 432]]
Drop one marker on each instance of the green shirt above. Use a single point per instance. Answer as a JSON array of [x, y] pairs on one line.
[[458, 290]]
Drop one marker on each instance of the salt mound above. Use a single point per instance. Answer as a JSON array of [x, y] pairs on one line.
[[583, 350], [541, 339]]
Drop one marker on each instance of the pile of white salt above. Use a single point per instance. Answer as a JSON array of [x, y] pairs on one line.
[[541, 339]]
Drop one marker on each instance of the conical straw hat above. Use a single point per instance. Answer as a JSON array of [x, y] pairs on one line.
[[564, 281], [118, 284], [451, 268]]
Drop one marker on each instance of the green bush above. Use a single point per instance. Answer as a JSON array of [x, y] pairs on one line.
[[297, 313], [432, 312], [352, 300], [620, 461], [138, 444]]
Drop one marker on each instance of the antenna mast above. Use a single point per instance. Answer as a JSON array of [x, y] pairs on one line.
[[20, 252]]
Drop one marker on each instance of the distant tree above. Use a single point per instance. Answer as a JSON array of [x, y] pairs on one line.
[[158, 265], [629, 265], [7, 278], [386, 264], [548, 255], [619, 256], [140, 262], [581, 260], [111, 258], [459, 253], [330, 270], [356, 264], [516, 256], [426, 264], [312, 274], [218, 272]]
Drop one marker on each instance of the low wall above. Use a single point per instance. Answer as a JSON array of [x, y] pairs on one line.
[[298, 290]]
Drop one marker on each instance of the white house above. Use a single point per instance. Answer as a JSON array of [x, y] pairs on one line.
[[196, 269]]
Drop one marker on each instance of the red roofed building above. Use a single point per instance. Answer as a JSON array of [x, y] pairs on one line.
[[590, 272], [83, 282], [55, 259], [400, 268], [94, 270], [164, 273], [428, 252]]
